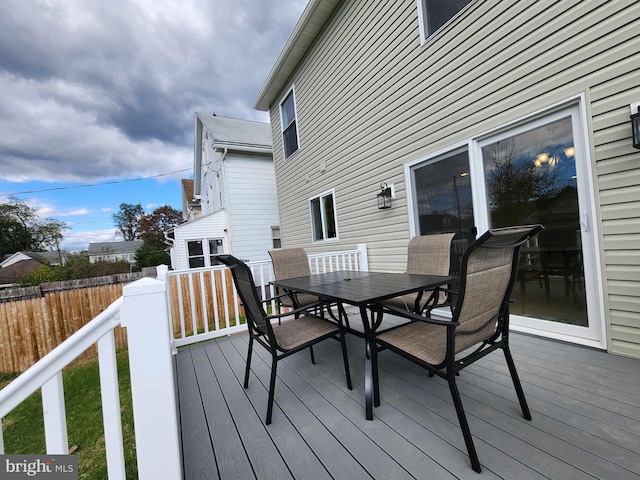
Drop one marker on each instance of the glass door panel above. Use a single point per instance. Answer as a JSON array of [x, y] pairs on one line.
[[530, 178], [443, 201]]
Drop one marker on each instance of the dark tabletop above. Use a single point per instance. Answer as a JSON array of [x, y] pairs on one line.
[[361, 288]]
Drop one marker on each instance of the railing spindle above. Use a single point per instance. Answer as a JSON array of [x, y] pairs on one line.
[[111, 416], [55, 422]]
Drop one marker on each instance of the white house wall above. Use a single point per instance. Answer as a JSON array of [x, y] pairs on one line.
[[252, 201], [208, 227], [370, 98]]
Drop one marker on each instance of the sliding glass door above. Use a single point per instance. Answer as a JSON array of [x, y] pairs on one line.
[[534, 173]]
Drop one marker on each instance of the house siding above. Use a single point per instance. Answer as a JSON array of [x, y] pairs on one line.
[[209, 227], [619, 189], [251, 185], [370, 98]]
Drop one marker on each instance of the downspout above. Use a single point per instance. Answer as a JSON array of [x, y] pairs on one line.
[[228, 247]]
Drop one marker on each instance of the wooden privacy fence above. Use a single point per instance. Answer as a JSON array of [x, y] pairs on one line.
[[29, 329]]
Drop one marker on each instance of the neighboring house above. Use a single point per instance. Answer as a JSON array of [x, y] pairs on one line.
[[493, 113], [234, 185], [50, 258], [13, 267], [190, 204], [113, 251]]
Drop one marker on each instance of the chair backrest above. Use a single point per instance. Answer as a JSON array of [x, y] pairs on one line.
[[430, 254], [290, 263], [487, 276], [246, 289]]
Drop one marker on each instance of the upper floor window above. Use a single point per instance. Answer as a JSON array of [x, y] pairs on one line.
[[289, 124], [436, 13], [323, 217], [275, 237]]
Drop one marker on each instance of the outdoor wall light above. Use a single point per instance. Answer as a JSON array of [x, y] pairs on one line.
[[384, 197], [635, 128]]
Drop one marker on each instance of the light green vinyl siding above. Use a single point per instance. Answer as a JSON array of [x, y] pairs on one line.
[[370, 98]]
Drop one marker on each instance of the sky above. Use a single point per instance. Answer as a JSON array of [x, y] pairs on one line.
[[97, 98]]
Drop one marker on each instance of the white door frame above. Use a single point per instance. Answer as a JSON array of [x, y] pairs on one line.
[[595, 334]]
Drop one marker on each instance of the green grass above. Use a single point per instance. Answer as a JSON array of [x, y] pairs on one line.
[[23, 428]]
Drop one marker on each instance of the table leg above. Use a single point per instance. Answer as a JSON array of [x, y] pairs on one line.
[[371, 389]]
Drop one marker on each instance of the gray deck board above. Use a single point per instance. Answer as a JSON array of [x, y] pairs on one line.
[[198, 456], [585, 405]]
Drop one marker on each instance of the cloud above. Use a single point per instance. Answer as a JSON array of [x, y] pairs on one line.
[[106, 90], [80, 240], [75, 213]]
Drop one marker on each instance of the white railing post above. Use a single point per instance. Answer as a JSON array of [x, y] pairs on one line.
[[162, 272], [55, 422], [153, 393], [364, 261]]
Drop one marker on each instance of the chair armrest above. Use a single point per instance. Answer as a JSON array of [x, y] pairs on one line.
[[400, 312], [275, 297], [297, 310]]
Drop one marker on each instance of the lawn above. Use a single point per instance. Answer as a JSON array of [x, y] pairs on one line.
[[23, 428]]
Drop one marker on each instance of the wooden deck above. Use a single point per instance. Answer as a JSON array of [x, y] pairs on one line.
[[585, 406]]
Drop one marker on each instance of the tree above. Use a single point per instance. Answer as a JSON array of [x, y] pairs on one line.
[[22, 229], [151, 227], [151, 230], [127, 220], [149, 256]]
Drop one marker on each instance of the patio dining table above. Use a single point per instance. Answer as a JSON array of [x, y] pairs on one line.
[[364, 290]]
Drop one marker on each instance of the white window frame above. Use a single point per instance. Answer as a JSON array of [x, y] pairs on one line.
[[276, 229], [283, 127], [323, 218], [206, 252], [424, 25], [595, 335]]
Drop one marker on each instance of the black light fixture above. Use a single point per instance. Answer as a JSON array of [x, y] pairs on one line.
[[384, 197], [635, 128]]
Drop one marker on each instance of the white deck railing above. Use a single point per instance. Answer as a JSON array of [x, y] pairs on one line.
[[204, 303], [144, 310]]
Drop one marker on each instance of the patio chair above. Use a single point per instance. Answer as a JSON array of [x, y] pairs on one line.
[[283, 339], [292, 263], [480, 319], [427, 255]]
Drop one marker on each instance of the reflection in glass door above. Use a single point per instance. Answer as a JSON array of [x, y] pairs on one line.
[[443, 201], [530, 178]]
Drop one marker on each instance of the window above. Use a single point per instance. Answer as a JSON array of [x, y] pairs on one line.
[[200, 252], [323, 217], [289, 124], [434, 14], [215, 247], [275, 237]]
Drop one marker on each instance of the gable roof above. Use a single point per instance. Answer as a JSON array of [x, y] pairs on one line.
[[51, 258], [237, 134], [230, 134], [112, 248], [311, 23]]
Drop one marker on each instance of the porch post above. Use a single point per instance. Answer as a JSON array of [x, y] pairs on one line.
[[152, 380], [364, 261]]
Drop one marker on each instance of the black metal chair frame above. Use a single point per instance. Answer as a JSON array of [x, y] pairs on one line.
[[449, 368], [266, 337]]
